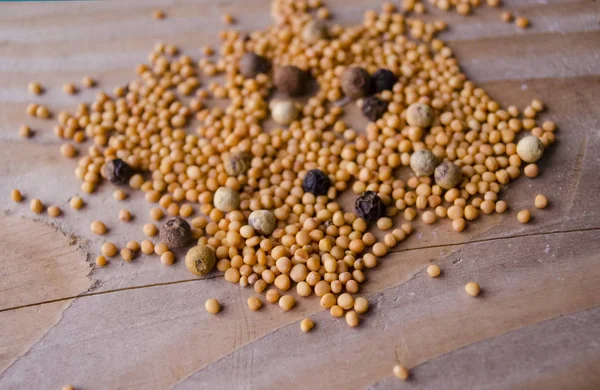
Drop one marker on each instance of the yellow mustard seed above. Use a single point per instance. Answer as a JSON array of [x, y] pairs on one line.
[[147, 247], [156, 213], [68, 150], [88, 82], [272, 296], [158, 14], [100, 261], [286, 302], [133, 245], [434, 270], [541, 202], [98, 227], [25, 131], [361, 305], [76, 203], [124, 215], [227, 19], [306, 325], [160, 248], [524, 216], [254, 303], [336, 311], [352, 319], [531, 170], [35, 88], [109, 249], [522, 22], [127, 254], [167, 258], [150, 229], [42, 112], [119, 195], [36, 206], [15, 195], [54, 211], [212, 306], [69, 88], [401, 372], [472, 289]]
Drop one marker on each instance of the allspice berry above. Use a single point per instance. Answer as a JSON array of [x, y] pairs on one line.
[[447, 175], [284, 112], [530, 149], [314, 31], [420, 115], [263, 222], [369, 206], [290, 80], [373, 108], [238, 163], [252, 64], [423, 162], [383, 80], [316, 182], [226, 199], [176, 233], [117, 171], [200, 260], [356, 82]]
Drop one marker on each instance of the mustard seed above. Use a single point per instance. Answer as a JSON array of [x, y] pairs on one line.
[[531, 170], [100, 261], [336, 311], [35, 88], [541, 202], [25, 131], [254, 303], [124, 215], [522, 22], [126, 254], [428, 217], [98, 227], [286, 302], [524, 216], [15, 195], [272, 296], [158, 14], [133, 245], [150, 229], [36, 206], [147, 247], [69, 88], [472, 289], [361, 305], [459, 224], [119, 195], [306, 325], [54, 211], [212, 306], [68, 151], [434, 271], [88, 82], [401, 372], [109, 249], [352, 319]]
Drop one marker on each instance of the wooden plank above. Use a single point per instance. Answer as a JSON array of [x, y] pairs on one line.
[[156, 337]]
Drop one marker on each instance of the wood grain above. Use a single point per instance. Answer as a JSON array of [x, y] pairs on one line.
[[142, 325]]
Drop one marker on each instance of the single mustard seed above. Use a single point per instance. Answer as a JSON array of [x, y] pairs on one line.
[[227, 19], [352, 319], [158, 14], [127, 254], [336, 311], [54, 211], [88, 82], [69, 88], [459, 224], [428, 217], [524, 216], [124, 215], [147, 247], [100, 261], [472, 289], [15, 195], [109, 249], [541, 202], [531, 170], [25, 131], [434, 271], [254, 303], [167, 258], [306, 325], [68, 151], [150, 229], [35, 88], [522, 22], [133, 245], [98, 227], [272, 296], [361, 305], [76, 203], [401, 372], [160, 248], [212, 306], [42, 112], [36, 206], [119, 195], [286, 302]]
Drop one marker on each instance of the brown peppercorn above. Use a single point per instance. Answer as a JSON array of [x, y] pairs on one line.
[[200, 260], [290, 80], [176, 233], [117, 171], [383, 80], [237, 164], [373, 108], [356, 82], [369, 206], [252, 64], [447, 175]]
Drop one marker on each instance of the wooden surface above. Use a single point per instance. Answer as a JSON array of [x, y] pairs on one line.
[[142, 325]]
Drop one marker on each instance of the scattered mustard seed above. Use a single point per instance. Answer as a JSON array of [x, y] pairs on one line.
[[147, 247], [127, 254], [212, 306], [88, 82], [54, 211], [167, 258], [352, 319], [158, 14], [522, 22], [69, 88], [306, 325], [254, 303], [472, 289], [401, 372], [524, 216], [434, 270], [25, 131], [15, 195], [286, 302], [35, 88], [98, 227], [541, 202], [36, 206], [119, 195], [124, 215], [109, 249], [150, 229]]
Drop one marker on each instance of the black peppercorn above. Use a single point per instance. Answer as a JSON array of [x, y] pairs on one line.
[[373, 108], [290, 80], [383, 80], [356, 82], [316, 182], [117, 171], [176, 233], [369, 206], [252, 64]]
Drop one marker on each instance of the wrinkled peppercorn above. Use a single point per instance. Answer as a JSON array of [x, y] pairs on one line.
[[369, 206], [176, 233], [316, 182], [117, 171], [356, 82], [290, 80], [373, 108], [252, 64], [383, 80], [237, 164]]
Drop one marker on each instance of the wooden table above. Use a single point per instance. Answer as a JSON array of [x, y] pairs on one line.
[[142, 325]]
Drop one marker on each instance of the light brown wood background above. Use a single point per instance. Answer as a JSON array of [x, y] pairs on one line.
[[143, 326]]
